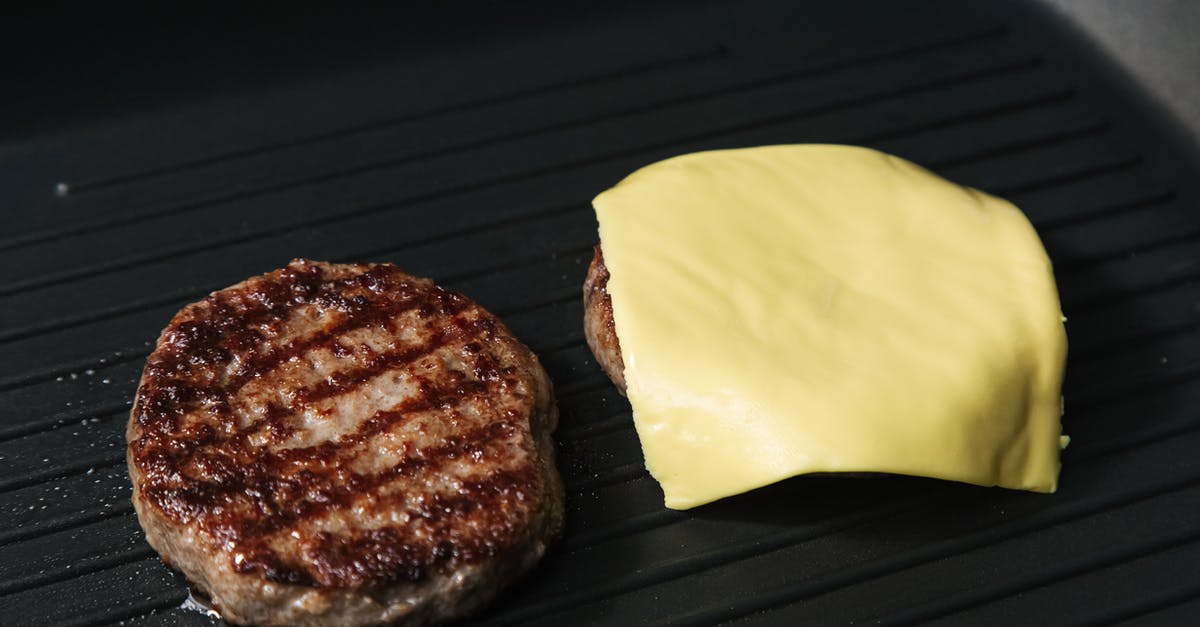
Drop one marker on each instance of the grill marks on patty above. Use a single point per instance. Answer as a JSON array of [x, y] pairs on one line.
[[236, 434]]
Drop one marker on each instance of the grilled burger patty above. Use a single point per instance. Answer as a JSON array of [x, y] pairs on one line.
[[344, 444], [598, 326]]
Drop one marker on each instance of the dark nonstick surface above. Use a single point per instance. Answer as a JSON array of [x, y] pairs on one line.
[[470, 154]]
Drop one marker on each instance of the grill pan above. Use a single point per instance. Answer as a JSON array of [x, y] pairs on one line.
[[472, 157]]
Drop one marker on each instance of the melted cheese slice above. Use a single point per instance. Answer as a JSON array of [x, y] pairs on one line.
[[815, 308]]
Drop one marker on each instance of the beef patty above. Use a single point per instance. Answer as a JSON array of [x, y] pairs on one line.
[[344, 444], [598, 326]]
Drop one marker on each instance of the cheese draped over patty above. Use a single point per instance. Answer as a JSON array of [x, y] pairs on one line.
[[795, 309]]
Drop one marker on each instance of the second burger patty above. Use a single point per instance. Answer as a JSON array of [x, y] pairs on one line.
[[598, 326]]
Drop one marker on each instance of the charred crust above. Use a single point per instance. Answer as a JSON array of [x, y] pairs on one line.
[[199, 461]]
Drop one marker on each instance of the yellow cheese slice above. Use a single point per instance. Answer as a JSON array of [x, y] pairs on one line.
[[785, 310]]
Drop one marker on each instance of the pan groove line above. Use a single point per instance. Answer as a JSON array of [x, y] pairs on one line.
[[171, 598], [1120, 296], [1179, 237], [780, 540], [1086, 456], [183, 296], [167, 600], [713, 558], [62, 418], [643, 523], [79, 466], [533, 216], [866, 516], [69, 469], [1149, 606], [59, 419], [623, 419], [717, 51], [626, 474], [133, 554], [1053, 574], [130, 354], [31, 582], [141, 552], [768, 600], [1117, 297], [773, 542], [1136, 340], [68, 522], [85, 518], [74, 189], [1161, 197], [66, 276], [833, 526], [818, 70], [1051, 99], [617, 422]]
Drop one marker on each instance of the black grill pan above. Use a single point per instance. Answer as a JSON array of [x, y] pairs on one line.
[[467, 148]]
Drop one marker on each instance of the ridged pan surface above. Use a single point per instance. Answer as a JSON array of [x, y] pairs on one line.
[[474, 161]]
